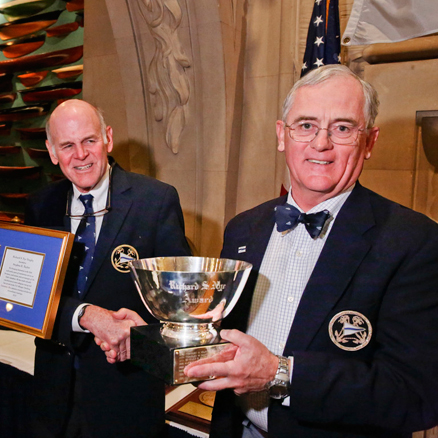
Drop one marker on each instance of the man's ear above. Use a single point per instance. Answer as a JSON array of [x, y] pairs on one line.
[[52, 153], [372, 137], [280, 135], [109, 139]]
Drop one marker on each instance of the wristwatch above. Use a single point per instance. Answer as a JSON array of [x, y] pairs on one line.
[[81, 314], [279, 387]]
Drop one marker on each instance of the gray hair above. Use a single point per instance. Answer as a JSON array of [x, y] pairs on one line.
[[99, 114], [322, 74]]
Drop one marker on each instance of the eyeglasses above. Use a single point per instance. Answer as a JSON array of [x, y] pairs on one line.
[[342, 133], [97, 213]]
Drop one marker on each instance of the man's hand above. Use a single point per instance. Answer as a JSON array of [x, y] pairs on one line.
[[112, 355], [246, 366], [111, 330]]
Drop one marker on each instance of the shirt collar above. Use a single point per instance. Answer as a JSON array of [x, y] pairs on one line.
[[333, 205]]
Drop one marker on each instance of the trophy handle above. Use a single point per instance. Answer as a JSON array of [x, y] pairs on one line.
[[239, 290], [134, 276]]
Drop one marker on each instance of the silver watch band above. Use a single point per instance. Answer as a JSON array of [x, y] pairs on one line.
[[279, 387]]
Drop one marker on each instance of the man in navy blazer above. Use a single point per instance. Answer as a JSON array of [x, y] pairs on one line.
[[341, 308], [78, 391]]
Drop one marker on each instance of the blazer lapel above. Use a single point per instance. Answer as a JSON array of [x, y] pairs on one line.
[[342, 254], [260, 233], [255, 239], [120, 205]]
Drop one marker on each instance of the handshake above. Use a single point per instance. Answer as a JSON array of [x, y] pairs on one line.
[[111, 330]]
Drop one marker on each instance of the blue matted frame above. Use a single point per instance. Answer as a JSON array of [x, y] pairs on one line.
[[52, 249]]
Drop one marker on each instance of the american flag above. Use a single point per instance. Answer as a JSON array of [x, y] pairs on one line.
[[323, 40]]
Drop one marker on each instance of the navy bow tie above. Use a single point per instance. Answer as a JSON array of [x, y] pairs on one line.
[[288, 217]]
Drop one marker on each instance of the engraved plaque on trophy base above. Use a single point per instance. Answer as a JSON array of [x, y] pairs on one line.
[[166, 359]]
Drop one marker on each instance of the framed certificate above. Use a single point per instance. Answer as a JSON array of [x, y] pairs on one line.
[[33, 264]]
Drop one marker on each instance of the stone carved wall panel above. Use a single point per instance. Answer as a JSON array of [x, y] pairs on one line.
[[167, 81], [188, 53]]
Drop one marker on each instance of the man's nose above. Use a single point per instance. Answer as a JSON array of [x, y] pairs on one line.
[[81, 152], [322, 140]]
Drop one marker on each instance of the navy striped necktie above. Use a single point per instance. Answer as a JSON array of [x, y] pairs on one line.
[[86, 235]]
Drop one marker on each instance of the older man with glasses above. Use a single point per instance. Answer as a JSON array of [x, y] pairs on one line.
[[116, 216], [341, 309]]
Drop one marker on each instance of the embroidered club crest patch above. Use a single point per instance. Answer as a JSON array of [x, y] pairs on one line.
[[121, 256], [350, 330]]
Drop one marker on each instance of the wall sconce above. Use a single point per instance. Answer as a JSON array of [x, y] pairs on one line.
[[428, 120]]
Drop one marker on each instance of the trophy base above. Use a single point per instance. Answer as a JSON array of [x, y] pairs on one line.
[[167, 358]]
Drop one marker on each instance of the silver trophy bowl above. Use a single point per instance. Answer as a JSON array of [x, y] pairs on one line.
[[189, 294]]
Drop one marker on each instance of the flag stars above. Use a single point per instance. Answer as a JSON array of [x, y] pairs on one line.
[[319, 41], [318, 21], [323, 41]]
